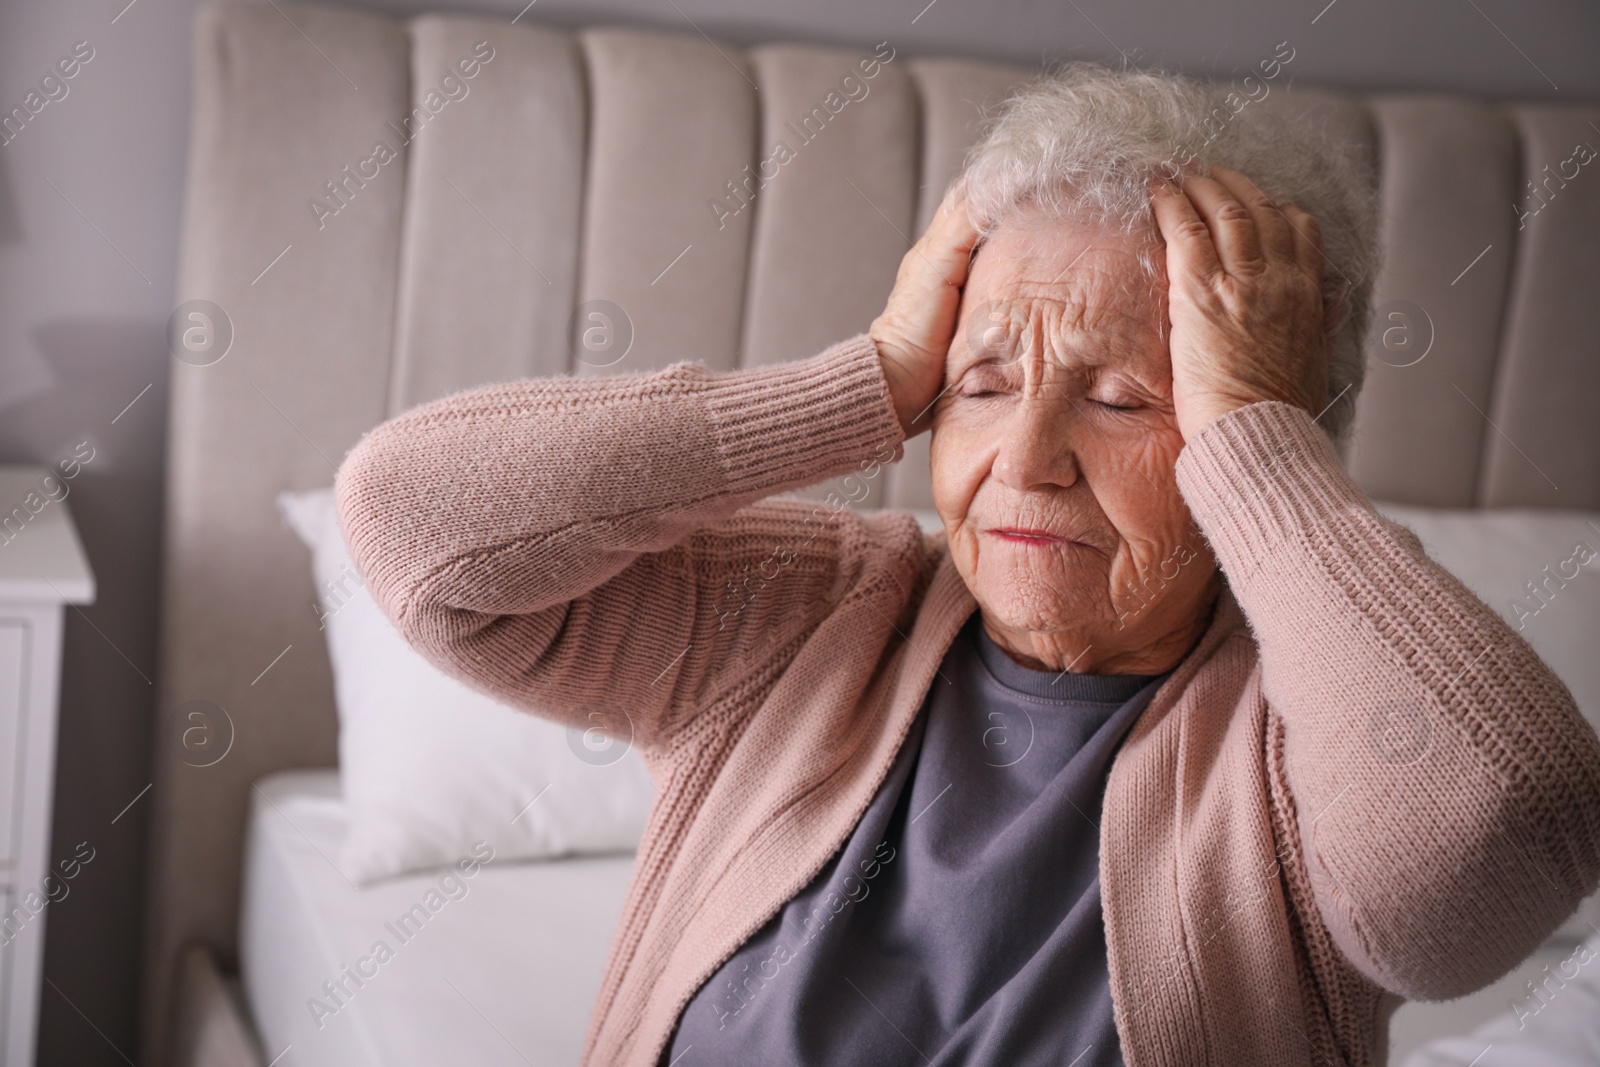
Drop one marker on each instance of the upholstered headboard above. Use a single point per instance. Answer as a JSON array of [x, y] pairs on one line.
[[370, 226]]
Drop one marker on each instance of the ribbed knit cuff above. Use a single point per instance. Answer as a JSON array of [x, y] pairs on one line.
[[1258, 474], [796, 423]]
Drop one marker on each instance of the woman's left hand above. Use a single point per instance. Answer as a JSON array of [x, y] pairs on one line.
[[1244, 283]]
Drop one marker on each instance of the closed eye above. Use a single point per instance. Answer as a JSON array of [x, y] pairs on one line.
[[982, 381]]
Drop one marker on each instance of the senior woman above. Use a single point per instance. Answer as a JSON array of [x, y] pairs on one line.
[[1168, 750]]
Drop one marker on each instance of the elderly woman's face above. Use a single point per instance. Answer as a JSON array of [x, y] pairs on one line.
[[1053, 455]]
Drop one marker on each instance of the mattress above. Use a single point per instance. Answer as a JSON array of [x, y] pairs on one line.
[[497, 968], [505, 970]]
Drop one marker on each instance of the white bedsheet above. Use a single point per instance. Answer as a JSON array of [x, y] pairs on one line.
[[499, 968], [505, 975]]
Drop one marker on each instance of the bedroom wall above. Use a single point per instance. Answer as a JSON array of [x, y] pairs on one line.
[[90, 196]]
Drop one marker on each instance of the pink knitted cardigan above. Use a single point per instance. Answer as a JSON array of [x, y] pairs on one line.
[[1360, 786]]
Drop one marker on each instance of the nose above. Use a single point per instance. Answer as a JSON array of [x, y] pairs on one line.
[[1035, 446]]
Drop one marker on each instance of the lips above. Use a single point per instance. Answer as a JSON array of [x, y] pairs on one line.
[[1029, 536]]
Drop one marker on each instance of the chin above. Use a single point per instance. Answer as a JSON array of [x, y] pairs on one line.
[[1035, 603]]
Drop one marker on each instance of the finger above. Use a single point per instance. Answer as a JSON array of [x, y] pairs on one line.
[[1272, 228], [1233, 229], [1190, 249], [1307, 237], [946, 245]]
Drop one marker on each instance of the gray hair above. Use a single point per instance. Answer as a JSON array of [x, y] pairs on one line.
[[1083, 142]]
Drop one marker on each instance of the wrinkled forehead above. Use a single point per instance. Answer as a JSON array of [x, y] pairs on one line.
[[1064, 289]]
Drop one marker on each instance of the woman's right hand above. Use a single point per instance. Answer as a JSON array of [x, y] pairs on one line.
[[914, 332]]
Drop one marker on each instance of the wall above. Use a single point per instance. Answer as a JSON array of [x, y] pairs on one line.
[[90, 197]]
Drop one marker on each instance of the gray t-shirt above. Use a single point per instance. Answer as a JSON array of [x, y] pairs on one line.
[[960, 923]]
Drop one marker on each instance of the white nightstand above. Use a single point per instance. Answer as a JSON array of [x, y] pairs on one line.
[[42, 570]]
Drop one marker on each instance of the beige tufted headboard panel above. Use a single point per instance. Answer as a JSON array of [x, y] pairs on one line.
[[584, 166]]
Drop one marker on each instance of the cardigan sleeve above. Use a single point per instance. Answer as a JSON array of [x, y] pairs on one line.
[[1445, 786], [598, 550]]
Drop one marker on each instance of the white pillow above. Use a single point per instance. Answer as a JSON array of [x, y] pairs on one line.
[[429, 766], [1496, 554], [1545, 1024]]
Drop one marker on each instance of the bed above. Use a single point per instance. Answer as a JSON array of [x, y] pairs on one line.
[[339, 284], [454, 990]]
